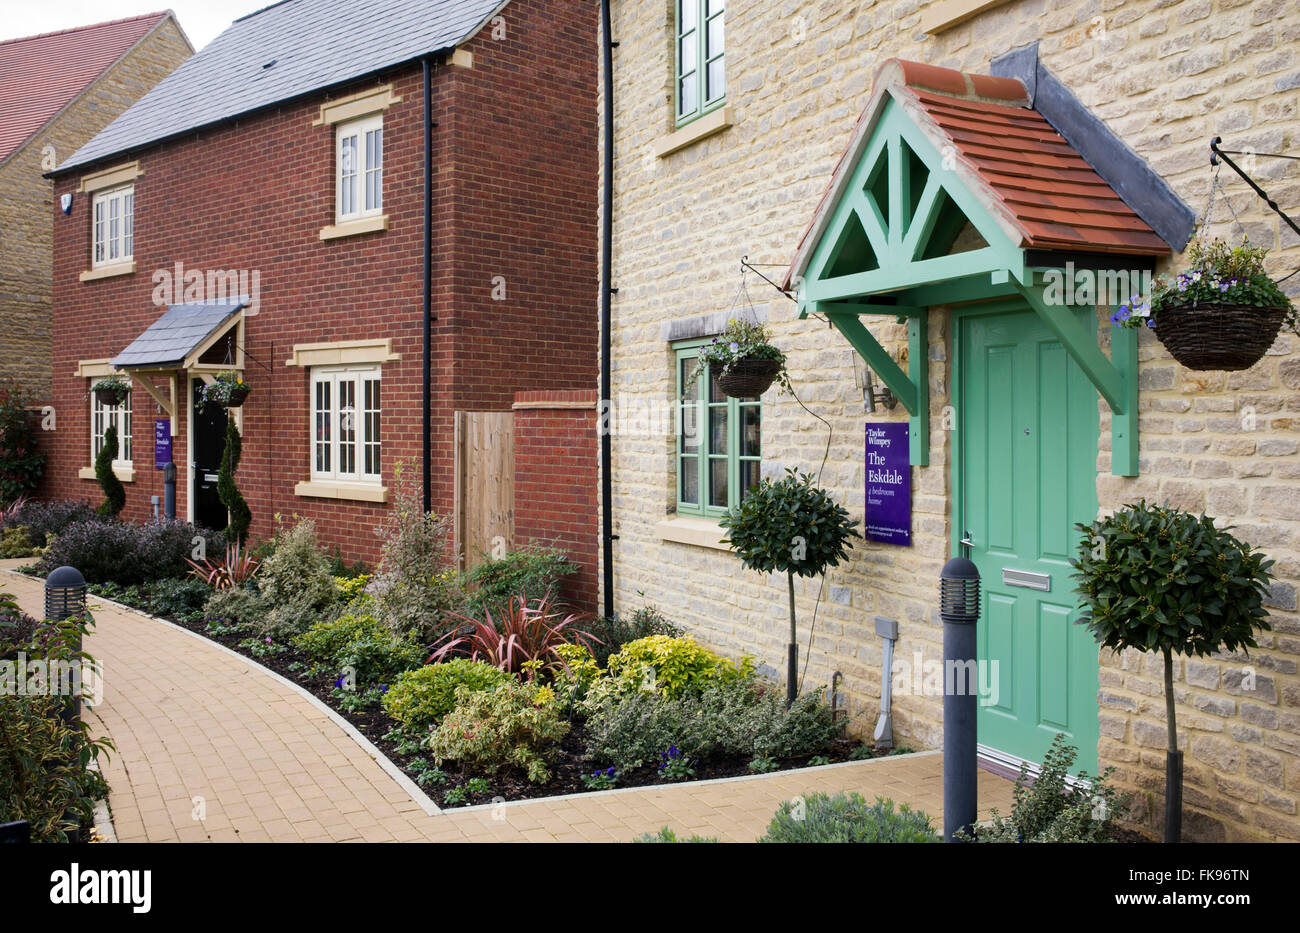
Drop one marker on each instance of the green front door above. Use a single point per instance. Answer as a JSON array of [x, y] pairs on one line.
[[1027, 472]]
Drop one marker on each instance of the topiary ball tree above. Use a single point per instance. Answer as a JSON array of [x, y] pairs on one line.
[[790, 526], [114, 493], [240, 515], [1160, 579]]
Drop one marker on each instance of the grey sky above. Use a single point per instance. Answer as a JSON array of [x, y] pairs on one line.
[[202, 20]]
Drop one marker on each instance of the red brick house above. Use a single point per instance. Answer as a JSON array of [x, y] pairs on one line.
[[275, 208]]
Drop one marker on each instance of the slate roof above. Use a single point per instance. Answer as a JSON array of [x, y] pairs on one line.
[[313, 43], [176, 334], [40, 75], [1042, 192]]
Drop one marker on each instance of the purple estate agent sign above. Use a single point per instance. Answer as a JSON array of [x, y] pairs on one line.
[[889, 484], [162, 443]]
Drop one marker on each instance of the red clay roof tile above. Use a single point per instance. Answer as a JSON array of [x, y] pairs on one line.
[[40, 75], [1041, 184]]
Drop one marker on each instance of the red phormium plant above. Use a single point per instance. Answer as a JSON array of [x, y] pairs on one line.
[[8, 512], [526, 631], [235, 569]]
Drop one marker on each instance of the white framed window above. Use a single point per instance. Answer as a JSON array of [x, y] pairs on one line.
[[101, 417], [359, 173], [113, 226], [345, 424]]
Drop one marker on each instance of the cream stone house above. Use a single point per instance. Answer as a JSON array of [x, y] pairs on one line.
[[917, 177]]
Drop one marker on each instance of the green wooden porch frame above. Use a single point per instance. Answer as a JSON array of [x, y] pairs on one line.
[[885, 244]]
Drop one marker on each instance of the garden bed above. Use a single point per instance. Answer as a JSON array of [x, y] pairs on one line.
[[568, 768]]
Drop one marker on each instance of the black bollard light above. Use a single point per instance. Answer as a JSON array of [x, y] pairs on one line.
[[65, 594], [169, 491], [65, 597], [959, 607]]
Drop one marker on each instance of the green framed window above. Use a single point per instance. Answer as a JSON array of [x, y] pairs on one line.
[[699, 47], [719, 441]]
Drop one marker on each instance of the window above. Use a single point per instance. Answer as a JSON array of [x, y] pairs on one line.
[[718, 449], [345, 415], [701, 85], [360, 172], [101, 416], [113, 233]]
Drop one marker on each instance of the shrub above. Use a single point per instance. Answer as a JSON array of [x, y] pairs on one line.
[[522, 638], [358, 641], [21, 460], [631, 730], [183, 599], [847, 818], [227, 491], [1053, 809], [574, 673], [114, 493], [514, 724], [16, 541], [673, 666], [667, 835], [122, 552], [44, 777], [43, 519], [350, 589], [533, 572], [610, 635], [240, 606], [793, 526], [416, 583], [1161, 579], [770, 729], [420, 698], [296, 583], [235, 568]]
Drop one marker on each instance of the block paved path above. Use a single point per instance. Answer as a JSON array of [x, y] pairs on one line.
[[213, 747]]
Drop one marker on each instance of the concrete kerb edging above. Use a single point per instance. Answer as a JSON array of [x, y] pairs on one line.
[[413, 789], [104, 828], [771, 775]]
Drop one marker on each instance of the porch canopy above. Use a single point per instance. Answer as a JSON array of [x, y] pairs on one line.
[[185, 337], [954, 190]]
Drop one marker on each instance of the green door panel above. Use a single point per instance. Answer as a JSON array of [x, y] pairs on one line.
[[1028, 472]]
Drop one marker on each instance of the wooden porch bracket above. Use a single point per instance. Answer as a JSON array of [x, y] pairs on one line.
[[1114, 378], [166, 402], [912, 388]]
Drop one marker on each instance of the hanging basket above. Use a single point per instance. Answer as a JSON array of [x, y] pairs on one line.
[[238, 393], [749, 378], [111, 396], [1218, 336]]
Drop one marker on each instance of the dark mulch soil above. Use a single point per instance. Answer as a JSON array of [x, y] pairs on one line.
[[567, 770]]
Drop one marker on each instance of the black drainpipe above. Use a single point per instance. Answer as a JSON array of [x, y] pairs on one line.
[[606, 294], [426, 403]]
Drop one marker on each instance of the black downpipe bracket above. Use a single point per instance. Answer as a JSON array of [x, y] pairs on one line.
[[606, 295], [426, 403]]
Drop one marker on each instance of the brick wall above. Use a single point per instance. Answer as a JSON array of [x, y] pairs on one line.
[[1166, 77], [253, 194], [26, 201], [557, 482]]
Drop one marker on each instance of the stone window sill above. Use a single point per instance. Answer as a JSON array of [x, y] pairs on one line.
[[323, 489], [104, 272], [700, 532], [693, 132], [125, 474], [354, 227]]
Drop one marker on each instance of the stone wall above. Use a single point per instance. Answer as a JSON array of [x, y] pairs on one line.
[[27, 203], [1165, 77]]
